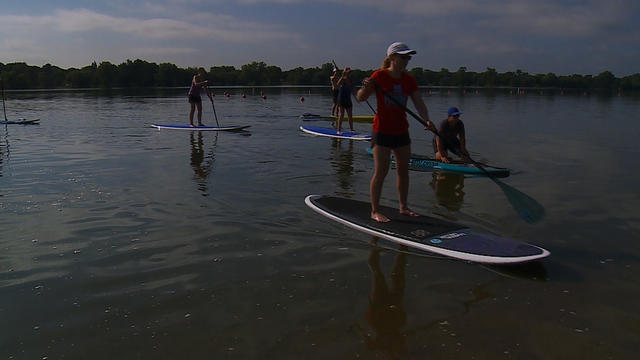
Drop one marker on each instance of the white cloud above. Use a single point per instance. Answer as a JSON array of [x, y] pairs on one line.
[[218, 27]]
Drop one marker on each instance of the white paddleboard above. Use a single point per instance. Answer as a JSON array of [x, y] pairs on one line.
[[321, 131], [199, 128]]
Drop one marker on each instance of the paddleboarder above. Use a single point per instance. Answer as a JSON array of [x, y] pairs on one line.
[[197, 84], [451, 137], [390, 125], [345, 88]]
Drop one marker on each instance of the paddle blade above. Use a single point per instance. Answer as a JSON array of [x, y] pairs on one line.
[[527, 207]]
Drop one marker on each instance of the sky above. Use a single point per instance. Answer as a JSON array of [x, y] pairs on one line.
[[536, 36]]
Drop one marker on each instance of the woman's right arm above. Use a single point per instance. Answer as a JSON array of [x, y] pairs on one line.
[[366, 90]]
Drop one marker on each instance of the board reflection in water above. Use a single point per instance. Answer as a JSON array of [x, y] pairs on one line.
[[342, 163], [386, 315], [201, 168], [449, 189]]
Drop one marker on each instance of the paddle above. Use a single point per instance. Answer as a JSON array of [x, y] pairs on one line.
[[214, 111], [527, 207], [354, 95], [4, 109]]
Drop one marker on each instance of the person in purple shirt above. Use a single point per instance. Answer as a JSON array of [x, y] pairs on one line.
[[452, 137], [197, 84]]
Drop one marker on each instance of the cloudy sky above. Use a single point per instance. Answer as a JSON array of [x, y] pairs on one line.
[[536, 36]]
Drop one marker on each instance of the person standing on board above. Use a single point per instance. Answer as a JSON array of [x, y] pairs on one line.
[[345, 88], [197, 84], [334, 91], [390, 125], [451, 137]]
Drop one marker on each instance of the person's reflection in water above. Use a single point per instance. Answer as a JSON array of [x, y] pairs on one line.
[[448, 189], [343, 165], [386, 314], [201, 169]]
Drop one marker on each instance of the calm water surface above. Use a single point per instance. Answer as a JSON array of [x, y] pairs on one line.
[[122, 241]]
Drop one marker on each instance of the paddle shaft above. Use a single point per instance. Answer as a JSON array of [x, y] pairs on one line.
[[214, 112], [435, 131], [367, 101], [4, 109]]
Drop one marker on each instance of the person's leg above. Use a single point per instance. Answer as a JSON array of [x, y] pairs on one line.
[[381, 161], [350, 115], [402, 155], [340, 117], [193, 108], [199, 105]]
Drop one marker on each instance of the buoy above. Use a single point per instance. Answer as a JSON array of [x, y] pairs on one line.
[[302, 99], [244, 95], [264, 97]]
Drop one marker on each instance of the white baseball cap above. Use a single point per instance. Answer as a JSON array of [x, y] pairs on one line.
[[399, 48]]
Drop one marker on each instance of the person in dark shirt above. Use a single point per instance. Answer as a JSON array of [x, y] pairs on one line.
[[452, 138]]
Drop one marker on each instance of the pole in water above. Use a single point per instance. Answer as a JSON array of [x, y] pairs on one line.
[[4, 109]]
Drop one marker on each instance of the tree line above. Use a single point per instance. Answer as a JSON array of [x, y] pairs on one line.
[[140, 73]]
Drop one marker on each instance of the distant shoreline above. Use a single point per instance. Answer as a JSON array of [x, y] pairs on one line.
[[143, 74]]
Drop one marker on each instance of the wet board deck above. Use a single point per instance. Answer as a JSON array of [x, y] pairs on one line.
[[425, 163], [356, 118], [427, 233], [200, 128], [321, 131]]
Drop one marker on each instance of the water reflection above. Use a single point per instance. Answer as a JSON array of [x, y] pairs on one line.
[[448, 189], [4, 148], [201, 168], [342, 163], [386, 315]]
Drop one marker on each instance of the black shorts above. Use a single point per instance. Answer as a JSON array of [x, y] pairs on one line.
[[195, 99], [390, 141], [345, 103]]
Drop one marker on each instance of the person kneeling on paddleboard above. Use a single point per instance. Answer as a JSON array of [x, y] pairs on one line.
[[390, 125], [451, 137], [197, 84]]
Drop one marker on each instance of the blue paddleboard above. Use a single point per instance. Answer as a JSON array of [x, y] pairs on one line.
[[321, 131], [425, 163], [199, 128], [427, 233]]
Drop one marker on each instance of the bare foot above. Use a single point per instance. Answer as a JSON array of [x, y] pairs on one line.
[[408, 212], [191, 125], [379, 217]]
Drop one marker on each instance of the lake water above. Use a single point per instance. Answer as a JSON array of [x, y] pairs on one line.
[[119, 241]]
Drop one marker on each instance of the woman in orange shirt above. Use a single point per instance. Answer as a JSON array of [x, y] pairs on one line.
[[390, 125]]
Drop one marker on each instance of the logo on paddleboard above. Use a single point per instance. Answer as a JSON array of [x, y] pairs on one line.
[[420, 233], [435, 241], [452, 235]]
